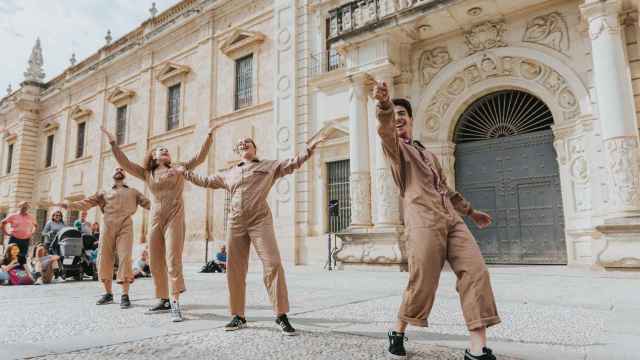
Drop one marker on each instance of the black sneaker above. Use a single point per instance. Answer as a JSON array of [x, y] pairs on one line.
[[236, 323], [487, 354], [163, 306], [287, 329], [105, 299], [125, 303], [396, 346]]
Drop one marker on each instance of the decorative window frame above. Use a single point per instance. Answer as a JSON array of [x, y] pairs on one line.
[[171, 74], [49, 127], [241, 43], [9, 139], [80, 114], [119, 97]]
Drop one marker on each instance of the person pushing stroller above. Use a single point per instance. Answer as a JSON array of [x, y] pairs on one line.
[[118, 205]]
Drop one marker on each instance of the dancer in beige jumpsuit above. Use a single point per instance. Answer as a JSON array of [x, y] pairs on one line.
[[166, 236], [117, 205], [250, 222], [436, 233]]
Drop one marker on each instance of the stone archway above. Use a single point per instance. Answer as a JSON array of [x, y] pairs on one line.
[[549, 78]]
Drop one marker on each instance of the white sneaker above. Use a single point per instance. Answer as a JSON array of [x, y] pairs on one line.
[[39, 281], [176, 312]]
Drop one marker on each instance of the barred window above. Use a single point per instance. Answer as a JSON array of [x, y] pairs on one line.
[[244, 81], [173, 107], [9, 158], [121, 125], [80, 142], [49, 155], [338, 189]]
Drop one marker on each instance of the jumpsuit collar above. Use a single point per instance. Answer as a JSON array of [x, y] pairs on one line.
[[123, 185], [241, 163]]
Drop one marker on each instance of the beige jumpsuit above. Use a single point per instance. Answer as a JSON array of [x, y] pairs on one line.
[[250, 221], [436, 233], [166, 236], [117, 205]]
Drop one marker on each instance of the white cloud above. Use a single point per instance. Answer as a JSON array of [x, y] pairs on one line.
[[64, 27]]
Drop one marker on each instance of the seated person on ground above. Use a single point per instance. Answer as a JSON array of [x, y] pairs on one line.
[[13, 267], [44, 265], [221, 258], [141, 265]]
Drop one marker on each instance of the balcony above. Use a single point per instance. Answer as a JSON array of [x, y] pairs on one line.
[[326, 61], [360, 15]]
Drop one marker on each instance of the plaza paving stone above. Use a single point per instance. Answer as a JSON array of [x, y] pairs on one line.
[[547, 313]]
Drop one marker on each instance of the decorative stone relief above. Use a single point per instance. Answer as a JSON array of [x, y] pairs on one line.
[[388, 205], [579, 173], [485, 36], [623, 161], [431, 61], [549, 30], [360, 193], [491, 67], [599, 25], [371, 252], [35, 71]]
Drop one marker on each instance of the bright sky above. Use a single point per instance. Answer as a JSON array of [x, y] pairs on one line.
[[64, 27]]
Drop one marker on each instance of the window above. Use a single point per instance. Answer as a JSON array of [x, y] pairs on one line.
[[244, 80], [49, 158], [121, 125], [80, 142], [173, 107], [338, 189], [9, 158]]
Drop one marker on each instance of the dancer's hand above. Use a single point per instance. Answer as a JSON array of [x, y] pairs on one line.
[[107, 134], [381, 92], [481, 219], [318, 140], [214, 127]]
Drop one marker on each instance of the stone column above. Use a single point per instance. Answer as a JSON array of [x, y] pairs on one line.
[[386, 194], [619, 132], [360, 179]]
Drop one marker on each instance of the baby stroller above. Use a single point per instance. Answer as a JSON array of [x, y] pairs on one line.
[[69, 245]]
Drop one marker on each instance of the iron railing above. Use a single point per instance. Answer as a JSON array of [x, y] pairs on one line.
[[326, 61], [338, 189], [361, 13]]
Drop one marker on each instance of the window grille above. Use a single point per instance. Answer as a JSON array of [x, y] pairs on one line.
[[244, 81], [173, 108], [121, 125], [338, 189]]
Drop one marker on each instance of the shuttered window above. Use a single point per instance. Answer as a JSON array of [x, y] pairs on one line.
[[173, 107], [121, 125], [244, 81]]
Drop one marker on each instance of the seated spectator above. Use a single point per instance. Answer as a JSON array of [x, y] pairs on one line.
[[141, 265], [13, 267], [44, 265], [221, 258], [52, 227]]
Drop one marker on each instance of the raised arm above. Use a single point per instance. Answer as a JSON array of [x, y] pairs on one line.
[[202, 154], [288, 166], [142, 200], [85, 204], [122, 159], [386, 125], [212, 182]]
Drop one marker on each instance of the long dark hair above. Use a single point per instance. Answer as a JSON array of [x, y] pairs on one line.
[[149, 163], [6, 260]]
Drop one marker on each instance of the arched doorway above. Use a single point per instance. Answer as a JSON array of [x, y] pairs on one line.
[[506, 165]]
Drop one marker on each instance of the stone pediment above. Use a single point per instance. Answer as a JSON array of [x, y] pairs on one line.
[[171, 71], [78, 112], [120, 95], [50, 126], [335, 131], [239, 40]]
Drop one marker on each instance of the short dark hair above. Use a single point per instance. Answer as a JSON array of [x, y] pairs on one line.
[[405, 104]]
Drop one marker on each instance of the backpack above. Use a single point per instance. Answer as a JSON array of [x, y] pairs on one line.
[[20, 276], [210, 267]]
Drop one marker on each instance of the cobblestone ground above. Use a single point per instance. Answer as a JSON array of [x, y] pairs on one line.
[[547, 313]]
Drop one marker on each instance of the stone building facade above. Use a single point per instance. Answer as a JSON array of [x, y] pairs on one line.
[[530, 106]]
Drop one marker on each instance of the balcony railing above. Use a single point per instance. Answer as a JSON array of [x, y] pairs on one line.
[[361, 13], [326, 61]]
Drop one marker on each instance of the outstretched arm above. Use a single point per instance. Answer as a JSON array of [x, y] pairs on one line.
[[212, 182], [288, 166], [386, 124], [142, 200], [204, 150], [460, 204], [84, 204], [122, 159]]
